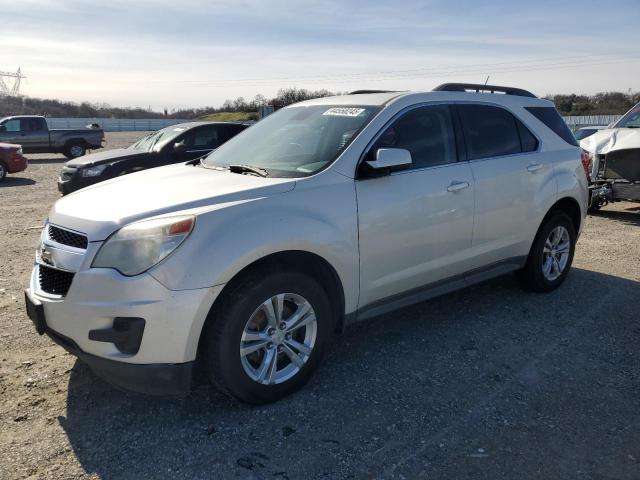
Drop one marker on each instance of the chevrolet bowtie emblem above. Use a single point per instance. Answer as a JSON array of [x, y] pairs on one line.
[[46, 255]]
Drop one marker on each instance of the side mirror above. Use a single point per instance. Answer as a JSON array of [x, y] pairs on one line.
[[388, 159], [3, 128], [179, 147]]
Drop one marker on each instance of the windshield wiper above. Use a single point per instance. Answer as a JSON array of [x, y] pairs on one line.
[[248, 169]]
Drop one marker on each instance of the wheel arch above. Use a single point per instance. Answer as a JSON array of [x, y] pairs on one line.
[[571, 207], [300, 261], [295, 260], [74, 141]]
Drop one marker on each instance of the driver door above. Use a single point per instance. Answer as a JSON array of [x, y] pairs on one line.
[[415, 225]]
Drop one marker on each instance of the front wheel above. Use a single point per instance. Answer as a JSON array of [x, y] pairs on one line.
[[551, 254], [3, 171], [268, 336]]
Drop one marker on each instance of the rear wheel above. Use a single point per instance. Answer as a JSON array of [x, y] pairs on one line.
[[3, 171], [75, 150], [551, 254], [268, 336]]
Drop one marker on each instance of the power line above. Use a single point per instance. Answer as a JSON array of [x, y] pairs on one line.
[[424, 72]]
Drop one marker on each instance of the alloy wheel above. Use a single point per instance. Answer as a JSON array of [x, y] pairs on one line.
[[278, 338], [555, 254]]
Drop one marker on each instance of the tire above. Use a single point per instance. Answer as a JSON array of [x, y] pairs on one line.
[[541, 273], [74, 150], [594, 204], [243, 316], [3, 171]]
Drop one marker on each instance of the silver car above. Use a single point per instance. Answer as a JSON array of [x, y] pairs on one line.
[[243, 265]]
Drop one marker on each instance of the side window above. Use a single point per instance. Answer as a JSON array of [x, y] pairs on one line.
[[33, 125], [12, 125], [230, 131], [527, 140], [489, 131], [427, 132], [205, 138]]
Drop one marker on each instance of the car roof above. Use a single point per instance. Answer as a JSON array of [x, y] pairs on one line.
[[22, 116], [386, 98]]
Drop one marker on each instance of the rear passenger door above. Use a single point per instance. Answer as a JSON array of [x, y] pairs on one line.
[[415, 225], [510, 178]]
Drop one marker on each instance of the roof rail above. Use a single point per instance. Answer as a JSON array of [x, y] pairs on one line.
[[478, 88], [358, 92]]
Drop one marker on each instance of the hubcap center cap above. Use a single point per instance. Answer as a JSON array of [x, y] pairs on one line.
[[278, 337]]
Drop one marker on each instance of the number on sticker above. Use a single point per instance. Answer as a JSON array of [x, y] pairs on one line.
[[344, 111]]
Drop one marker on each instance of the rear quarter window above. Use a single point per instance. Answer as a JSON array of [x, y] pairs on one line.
[[552, 119]]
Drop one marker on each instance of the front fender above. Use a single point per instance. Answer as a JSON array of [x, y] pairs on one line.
[[227, 240]]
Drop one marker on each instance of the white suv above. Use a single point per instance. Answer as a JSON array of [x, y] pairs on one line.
[[242, 265]]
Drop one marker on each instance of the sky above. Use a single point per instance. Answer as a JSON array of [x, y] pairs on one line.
[[188, 53]]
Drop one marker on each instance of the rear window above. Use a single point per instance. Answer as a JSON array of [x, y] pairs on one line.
[[552, 119]]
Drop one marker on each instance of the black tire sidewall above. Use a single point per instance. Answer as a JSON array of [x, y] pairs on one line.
[[3, 171], [224, 337], [536, 279], [68, 153]]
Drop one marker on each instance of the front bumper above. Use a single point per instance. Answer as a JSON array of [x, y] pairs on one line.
[[97, 298], [150, 379], [70, 180]]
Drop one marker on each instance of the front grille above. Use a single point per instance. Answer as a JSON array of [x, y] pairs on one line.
[[55, 282], [65, 237]]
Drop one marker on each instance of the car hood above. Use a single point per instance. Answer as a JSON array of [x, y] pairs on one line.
[[612, 139], [107, 156], [102, 208], [9, 146]]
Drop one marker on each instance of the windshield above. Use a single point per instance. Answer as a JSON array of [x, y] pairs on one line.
[[295, 141], [630, 120], [157, 140]]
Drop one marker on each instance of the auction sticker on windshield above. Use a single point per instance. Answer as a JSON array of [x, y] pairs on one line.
[[344, 111]]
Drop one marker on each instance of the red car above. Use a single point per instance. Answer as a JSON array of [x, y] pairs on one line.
[[11, 159]]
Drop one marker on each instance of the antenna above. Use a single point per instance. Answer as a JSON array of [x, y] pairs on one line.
[[487, 80], [7, 78]]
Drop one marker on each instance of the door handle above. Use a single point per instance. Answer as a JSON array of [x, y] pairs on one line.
[[534, 167], [457, 186]]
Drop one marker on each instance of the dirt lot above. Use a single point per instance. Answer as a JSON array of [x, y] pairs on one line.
[[490, 382]]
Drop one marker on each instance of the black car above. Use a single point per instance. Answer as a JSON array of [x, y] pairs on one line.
[[174, 144]]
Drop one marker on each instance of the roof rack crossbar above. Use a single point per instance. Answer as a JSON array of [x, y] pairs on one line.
[[478, 88]]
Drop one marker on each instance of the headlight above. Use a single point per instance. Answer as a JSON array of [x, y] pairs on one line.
[[92, 171], [139, 246]]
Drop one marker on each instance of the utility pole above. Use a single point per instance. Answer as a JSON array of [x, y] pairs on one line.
[[10, 83]]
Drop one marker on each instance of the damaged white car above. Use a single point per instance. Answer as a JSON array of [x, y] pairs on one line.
[[613, 158]]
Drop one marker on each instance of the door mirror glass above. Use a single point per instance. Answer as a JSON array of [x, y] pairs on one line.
[[390, 159], [180, 146]]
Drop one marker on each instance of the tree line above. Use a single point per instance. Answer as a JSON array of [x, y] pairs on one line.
[[572, 104]]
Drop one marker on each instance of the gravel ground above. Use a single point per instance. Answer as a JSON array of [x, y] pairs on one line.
[[490, 382]]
